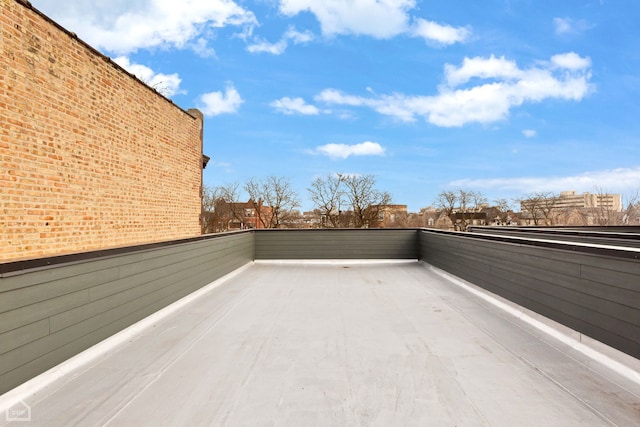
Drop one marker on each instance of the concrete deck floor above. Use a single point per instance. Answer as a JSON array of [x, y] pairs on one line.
[[339, 344]]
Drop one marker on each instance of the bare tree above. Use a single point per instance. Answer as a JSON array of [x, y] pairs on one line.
[[275, 198], [365, 201], [210, 215], [328, 195], [530, 206], [470, 204], [346, 200], [607, 212], [464, 209], [461, 206], [233, 211], [547, 203], [631, 212], [478, 201], [602, 213], [446, 201], [540, 206], [219, 207], [503, 207]]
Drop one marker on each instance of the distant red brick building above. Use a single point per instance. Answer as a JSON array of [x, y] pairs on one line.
[[390, 216], [230, 216], [244, 215]]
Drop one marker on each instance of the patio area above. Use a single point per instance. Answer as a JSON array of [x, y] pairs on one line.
[[337, 343]]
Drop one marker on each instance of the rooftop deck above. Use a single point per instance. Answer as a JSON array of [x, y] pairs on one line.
[[336, 343]]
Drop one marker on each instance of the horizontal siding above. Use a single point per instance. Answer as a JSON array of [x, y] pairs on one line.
[[597, 295], [336, 244], [611, 236], [52, 313]]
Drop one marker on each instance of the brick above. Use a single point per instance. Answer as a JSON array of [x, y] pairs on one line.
[[84, 143]]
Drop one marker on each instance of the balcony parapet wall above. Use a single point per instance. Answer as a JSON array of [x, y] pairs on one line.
[[53, 308], [592, 289]]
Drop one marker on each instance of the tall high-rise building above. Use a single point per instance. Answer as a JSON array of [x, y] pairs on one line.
[[569, 199]]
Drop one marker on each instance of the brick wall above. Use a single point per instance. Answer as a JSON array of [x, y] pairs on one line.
[[90, 157]]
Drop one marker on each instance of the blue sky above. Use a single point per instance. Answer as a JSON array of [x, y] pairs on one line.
[[505, 97]]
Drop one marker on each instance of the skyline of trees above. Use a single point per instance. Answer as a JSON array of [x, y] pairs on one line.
[[354, 201]]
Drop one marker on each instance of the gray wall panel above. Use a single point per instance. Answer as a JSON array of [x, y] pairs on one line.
[[595, 294], [336, 244], [27, 295], [601, 291], [611, 276], [542, 267], [51, 313], [23, 335], [41, 310], [622, 338], [594, 323]]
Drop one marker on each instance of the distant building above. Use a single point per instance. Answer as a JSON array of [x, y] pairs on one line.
[[390, 216], [462, 220], [569, 199], [570, 208], [240, 215]]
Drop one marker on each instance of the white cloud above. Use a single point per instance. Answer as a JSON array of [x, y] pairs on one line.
[[278, 48], [342, 151], [562, 25], [570, 61], [201, 48], [167, 84], [376, 18], [529, 133], [481, 68], [262, 46], [565, 77], [439, 33], [381, 19], [333, 96], [396, 105], [215, 103], [613, 180], [298, 37], [124, 26], [570, 26], [288, 105]]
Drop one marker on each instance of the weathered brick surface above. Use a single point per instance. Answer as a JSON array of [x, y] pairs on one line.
[[89, 156]]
